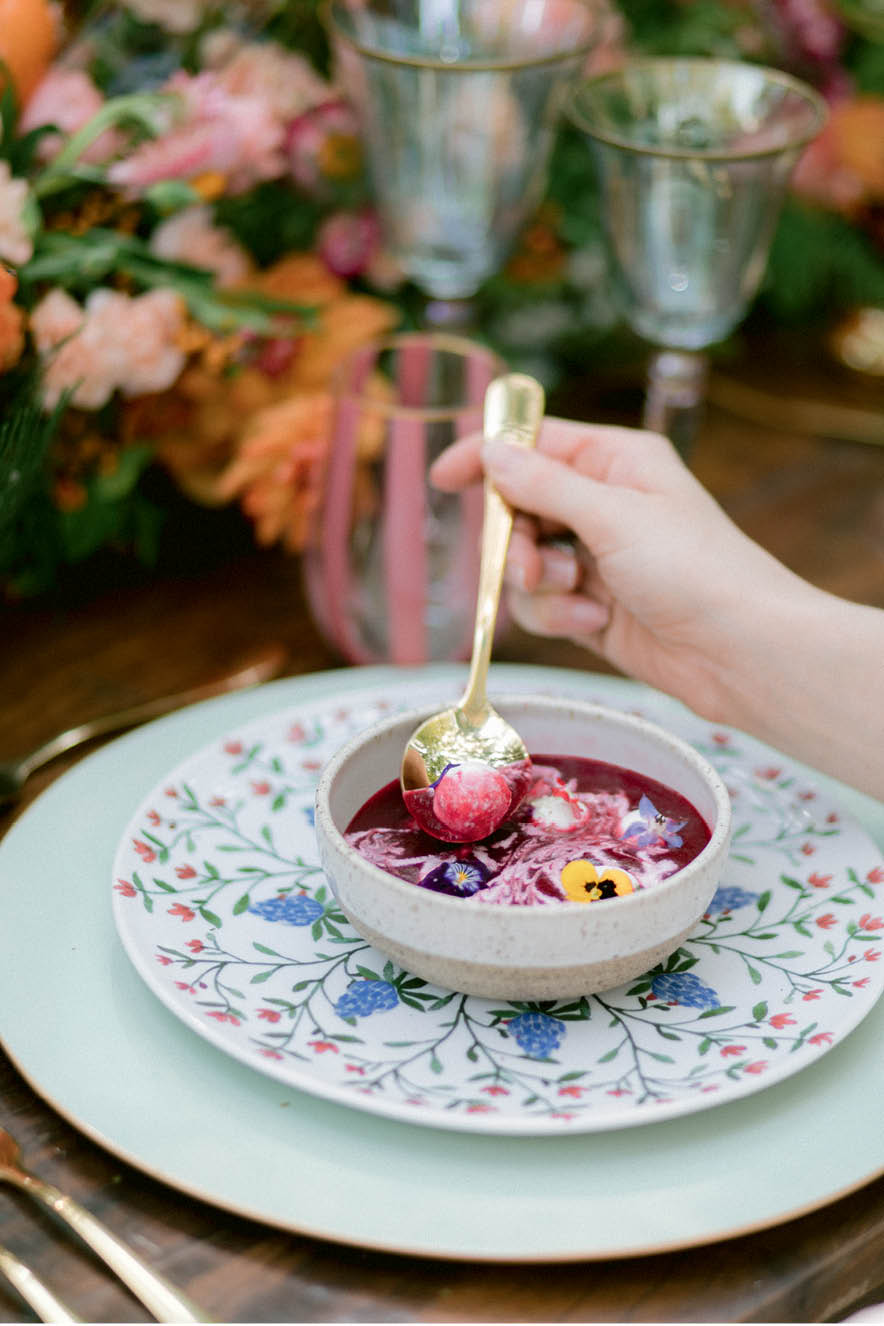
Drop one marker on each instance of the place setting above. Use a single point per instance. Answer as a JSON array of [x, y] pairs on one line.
[[564, 920]]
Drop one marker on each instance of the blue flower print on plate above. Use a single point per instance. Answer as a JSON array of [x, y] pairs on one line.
[[223, 907], [299, 910]]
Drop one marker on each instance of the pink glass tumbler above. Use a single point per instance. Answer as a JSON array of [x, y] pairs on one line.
[[392, 564]]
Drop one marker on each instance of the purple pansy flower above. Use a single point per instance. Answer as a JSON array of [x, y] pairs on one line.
[[459, 878], [654, 827]]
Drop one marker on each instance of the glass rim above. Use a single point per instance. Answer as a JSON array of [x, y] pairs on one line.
[[447, 342], [611, 138], [479, 66]]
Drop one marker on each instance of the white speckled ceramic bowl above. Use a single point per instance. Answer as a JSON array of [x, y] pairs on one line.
[[552, 952]]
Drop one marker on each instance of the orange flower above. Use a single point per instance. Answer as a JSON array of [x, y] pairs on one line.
[[277, 472], [12, 338]]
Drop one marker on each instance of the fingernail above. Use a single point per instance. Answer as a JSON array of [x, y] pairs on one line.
[[561, 569]]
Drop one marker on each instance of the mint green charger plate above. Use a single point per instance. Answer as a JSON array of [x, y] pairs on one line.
[[93, 1041]]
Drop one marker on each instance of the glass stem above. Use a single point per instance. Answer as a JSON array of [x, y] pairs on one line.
[[675, 394]]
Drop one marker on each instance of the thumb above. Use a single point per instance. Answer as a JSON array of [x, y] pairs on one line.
[[533, 482]]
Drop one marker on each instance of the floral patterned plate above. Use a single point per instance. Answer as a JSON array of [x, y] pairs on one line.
[[222, 907]]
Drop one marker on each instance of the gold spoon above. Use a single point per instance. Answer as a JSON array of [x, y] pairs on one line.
[[466, 768], [161, 1298]]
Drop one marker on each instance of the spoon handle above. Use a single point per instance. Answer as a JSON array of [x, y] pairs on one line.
[[161, 1298], [514, 407]]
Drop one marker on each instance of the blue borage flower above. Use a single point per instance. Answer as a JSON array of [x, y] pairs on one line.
[[653, 827], [461, 879]]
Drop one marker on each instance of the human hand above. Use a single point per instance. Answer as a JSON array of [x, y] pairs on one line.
[[663, 585]]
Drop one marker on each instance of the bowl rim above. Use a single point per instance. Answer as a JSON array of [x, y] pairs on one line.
[[718, 841]]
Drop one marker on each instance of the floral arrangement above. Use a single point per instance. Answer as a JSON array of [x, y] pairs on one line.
[[188, 249]]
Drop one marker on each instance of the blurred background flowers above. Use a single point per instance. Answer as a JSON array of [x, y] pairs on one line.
[[189, 249]]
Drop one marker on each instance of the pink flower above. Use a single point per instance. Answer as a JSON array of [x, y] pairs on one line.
[[782, 1020], [165, 961], [869, 922], [261, 789], [225, 1017], [195, 945], [117, 342], [495, 1090], [152, 818], [269, 1014], [757, 1067], [297, 733], [769, 773], [811, 994], [16, 245], [876, 875], [173, 15], [861, 983], [185, 913], [322, 1046], [821, 1038], [190, 236], [721, 738], [872, 954], [125, 888], [236, 137], [233, 747], [355, 1068], [826, 921], [185, 872], [573, 1090], [323, 145], [819, 881], [731, 1050], [347, 241], [480, 1107], [283, 80], [808, 849], [271, 1054], [69, 99]]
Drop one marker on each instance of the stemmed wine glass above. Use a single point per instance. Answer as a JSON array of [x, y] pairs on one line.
[[458, 101], [694, 158]]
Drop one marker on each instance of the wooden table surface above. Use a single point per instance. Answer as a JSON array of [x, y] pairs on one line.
[[818, 503]]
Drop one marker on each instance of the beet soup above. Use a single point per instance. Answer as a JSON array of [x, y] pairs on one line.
[[586, 831]]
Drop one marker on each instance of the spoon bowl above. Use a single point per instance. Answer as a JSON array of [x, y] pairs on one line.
[[466, 768]]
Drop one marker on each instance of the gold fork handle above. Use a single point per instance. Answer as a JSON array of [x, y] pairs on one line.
[[33, 1290], [161, 1298]]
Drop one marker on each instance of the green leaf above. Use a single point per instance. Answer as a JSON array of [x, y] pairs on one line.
[[611, 1054], [763, 900], [260, 977], [716, 1012], [242, 905], [210, 917], [759, 1012], [754, 974]]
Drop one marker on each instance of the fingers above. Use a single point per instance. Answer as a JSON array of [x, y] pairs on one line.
[[544, 487], [563, 615], [625, 456], [535, 565]]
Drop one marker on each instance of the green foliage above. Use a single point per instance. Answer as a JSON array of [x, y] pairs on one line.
[[820, 264], [667, 27], [270, 220]]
